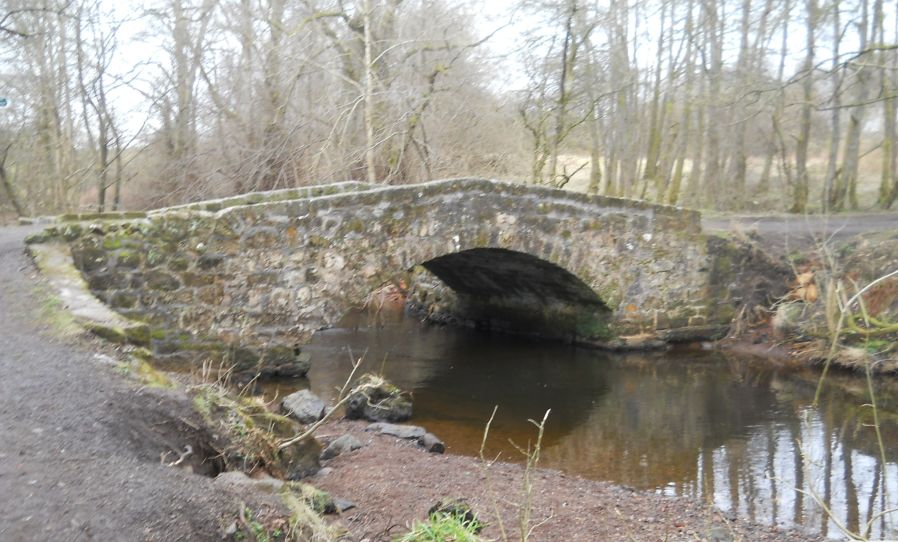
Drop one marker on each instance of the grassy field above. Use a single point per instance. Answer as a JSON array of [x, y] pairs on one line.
[[777, 199]]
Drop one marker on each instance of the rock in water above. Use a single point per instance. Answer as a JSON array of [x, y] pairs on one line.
[[345, 443], [411, 432], [431, 443], [305, 406], [377, 400]]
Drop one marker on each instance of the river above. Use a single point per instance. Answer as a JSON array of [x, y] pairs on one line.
[[740, 432]]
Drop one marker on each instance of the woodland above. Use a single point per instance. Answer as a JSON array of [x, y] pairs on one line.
[[726, 105]]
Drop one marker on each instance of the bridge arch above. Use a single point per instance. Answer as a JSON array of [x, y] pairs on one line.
[[518, 261], [518, 292]]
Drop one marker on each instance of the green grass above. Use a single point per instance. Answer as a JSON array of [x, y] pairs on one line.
[[55, 314], [144, 372], [443, 528], [305, 523]]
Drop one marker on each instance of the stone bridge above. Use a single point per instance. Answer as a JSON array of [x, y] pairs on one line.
[[253, 277]]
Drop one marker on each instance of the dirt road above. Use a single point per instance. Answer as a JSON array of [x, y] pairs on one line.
[[72, 464], [785, 234]]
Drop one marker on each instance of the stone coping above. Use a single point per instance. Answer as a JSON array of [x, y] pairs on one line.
[[366, 192], [271, 196], [355, 192], [54, 260]]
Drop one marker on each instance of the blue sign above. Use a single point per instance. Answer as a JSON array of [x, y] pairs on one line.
[[4, 102]]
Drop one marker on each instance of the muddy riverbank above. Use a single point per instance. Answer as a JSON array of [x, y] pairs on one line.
[[394, 482]]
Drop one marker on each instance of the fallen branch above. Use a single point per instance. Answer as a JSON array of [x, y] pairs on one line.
[[188, 451], [343, 398]]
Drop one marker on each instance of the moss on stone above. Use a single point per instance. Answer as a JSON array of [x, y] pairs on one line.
[[143, 370], [155, 257], [123, 300], [107, 281], [109, 333], [88, 258], [127, 259], [70, 232], [41, 237], [161, 280], [594, 327], [197, 279], [354, 225], [138, 335], [179, 263], [112, 242]]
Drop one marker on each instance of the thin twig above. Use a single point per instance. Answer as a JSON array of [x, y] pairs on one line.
[[486, 472]]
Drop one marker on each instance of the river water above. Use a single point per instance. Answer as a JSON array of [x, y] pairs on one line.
[[739, 432]]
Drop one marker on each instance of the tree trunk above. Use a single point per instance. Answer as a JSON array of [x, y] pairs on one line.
[[7, 185], [887, 173], [561, 105], [712, 187], [683, 131], [370, 164], [650, 173], [846, 187], [835, 115], [693, 182], [594, 122], [801, 185], [773, 146], [739, 164]]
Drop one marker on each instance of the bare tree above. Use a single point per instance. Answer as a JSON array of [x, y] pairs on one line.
[[801, 183], [846, 183], [836, 111]]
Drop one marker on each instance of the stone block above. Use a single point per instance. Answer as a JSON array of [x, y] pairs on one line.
[[161, 280], [210, 261], [108, 281]]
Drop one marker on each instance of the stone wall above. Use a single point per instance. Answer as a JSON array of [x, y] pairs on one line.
[[251, 278]]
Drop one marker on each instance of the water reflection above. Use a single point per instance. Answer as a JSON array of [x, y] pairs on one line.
[[738, 432]]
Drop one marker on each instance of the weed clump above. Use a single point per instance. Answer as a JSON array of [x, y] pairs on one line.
[[444, 528], [254, 434]]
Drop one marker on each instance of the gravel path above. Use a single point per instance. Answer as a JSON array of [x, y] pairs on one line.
[[72, 464]]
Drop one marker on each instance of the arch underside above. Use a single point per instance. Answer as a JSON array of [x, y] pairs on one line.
[[517, 292]]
